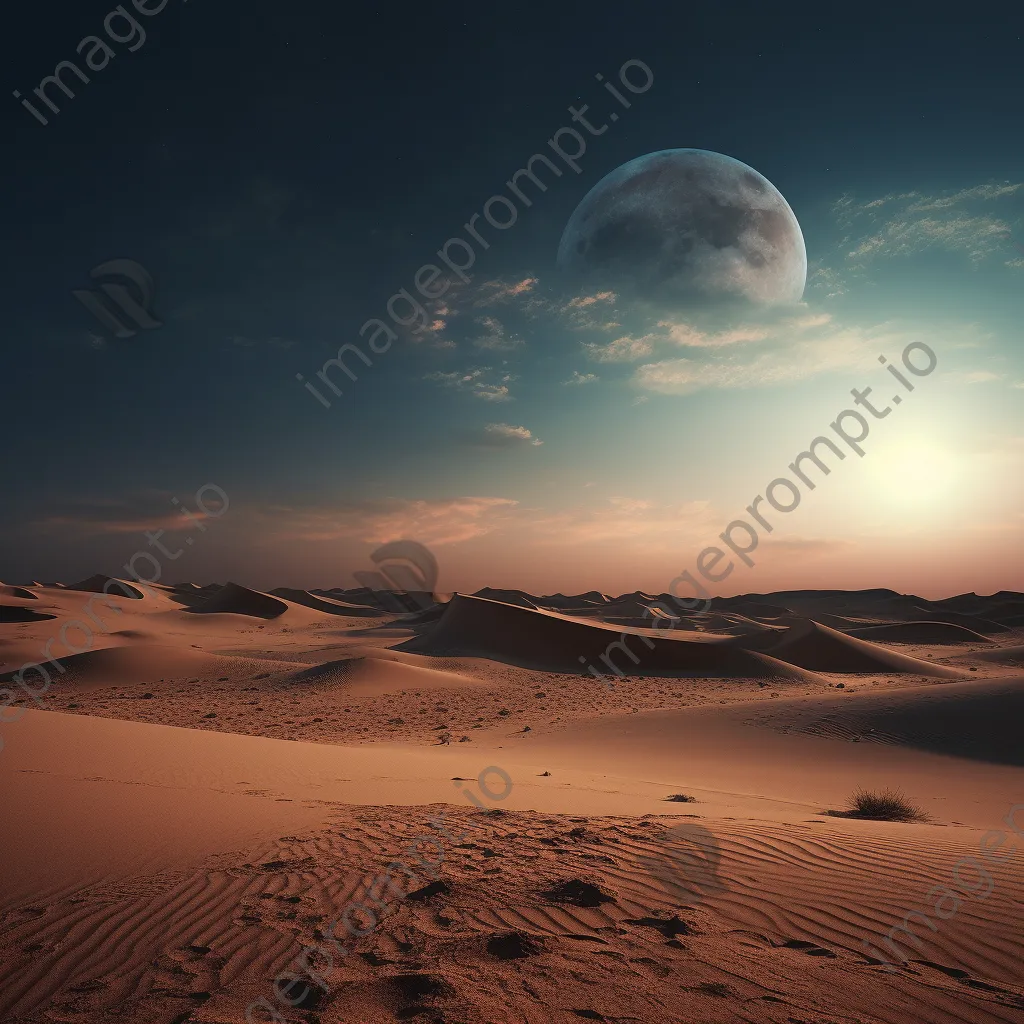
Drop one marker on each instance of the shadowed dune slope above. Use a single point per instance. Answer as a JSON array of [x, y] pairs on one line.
[[978, 623], [977, 720], [919, 633], [18, 613], [324, 604], [242, 601], [477, 627], [1000, 655], [114, 587], [758, 609], [820, 648], [428, 615], [981, 614], [516, 597]]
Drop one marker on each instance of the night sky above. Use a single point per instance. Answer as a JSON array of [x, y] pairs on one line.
[[282, 171]]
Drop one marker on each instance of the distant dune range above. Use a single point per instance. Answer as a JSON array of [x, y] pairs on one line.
[[536, 638], [216, 772], [759, 636], [919, 633]]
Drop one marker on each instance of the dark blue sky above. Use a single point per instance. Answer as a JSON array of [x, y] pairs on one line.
[[281, 170]]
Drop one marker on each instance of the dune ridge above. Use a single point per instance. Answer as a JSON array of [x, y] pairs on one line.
[[475, 626]]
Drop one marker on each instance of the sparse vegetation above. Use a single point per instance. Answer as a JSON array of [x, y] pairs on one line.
[[883, 805], [681, 798]]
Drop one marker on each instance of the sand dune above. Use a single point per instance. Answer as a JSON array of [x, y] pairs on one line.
[[238, 600], [428, 615], [1010, 655], [919, 633], [978, 623], [22, 593], [820, 648], [382, 672], [538, 638], [115, 587], [392, 601], [735, 624], [1005, 602], [979, 720], [754, 609], [879, 606], [1001, 611], [130, 664], [516, 597], [324, 604]]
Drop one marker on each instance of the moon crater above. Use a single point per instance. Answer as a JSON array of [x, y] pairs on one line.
[[687, 226]]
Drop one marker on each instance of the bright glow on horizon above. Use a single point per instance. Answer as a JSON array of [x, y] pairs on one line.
[[913, 473]]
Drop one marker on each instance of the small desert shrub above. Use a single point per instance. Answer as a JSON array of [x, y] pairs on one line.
[[681, 798], [885, 805]]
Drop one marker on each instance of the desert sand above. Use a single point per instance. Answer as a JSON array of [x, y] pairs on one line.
[[218, 774]]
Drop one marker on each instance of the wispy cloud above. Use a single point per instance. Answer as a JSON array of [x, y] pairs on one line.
[[786, 359], [808, 547], [581, 378], [689, 336], [481, 382], [583, 301], [493, 393], [500, 435], [971, 376], [439, 521], [973, 222], [134, 513], [490, 292], [639, 522], [496, 337], [622, 350]]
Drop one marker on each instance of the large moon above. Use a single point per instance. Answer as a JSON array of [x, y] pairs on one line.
[[687, 226]]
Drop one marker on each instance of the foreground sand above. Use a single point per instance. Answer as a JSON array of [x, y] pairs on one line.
[[169, 872]]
